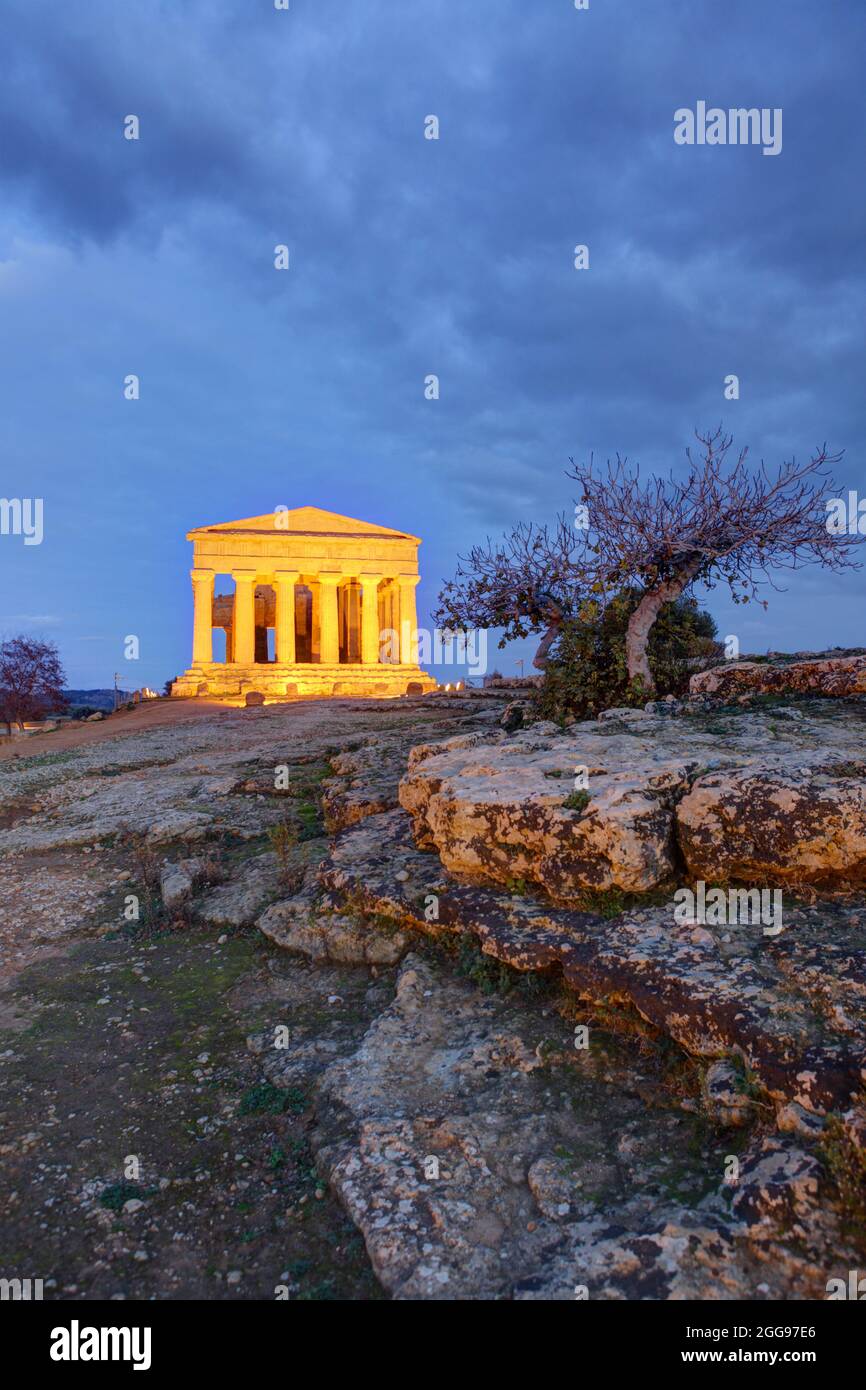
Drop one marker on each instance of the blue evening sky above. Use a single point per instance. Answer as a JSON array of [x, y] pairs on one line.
[[408, 257]]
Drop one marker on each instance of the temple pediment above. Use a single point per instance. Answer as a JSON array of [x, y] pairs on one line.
[[301, 521]]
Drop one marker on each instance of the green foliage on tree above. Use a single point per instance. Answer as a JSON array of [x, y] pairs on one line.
[[588, 668]]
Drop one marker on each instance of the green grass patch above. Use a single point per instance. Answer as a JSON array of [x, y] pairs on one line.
[[846, 1164], [265, 1099], [117, 1194]]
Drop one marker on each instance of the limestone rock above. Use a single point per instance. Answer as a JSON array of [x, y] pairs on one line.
[[364, 783], [552, 1187], [854, 1125], [775, 824], [725, 1098], [624, 714], [297, 925], [499, 812], [778, 1182], [513, 717], [178, 824], [793, 1006], [794, 1119], [177, 881], [375, 865], [475, 1170], [667, 707], [754, 805], [833, 676], [238, 902]]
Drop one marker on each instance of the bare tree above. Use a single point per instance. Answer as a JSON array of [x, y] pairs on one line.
[[721, 522], [525, 583], [31, 680]]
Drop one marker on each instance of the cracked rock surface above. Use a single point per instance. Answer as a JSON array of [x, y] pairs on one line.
[[478, 1164], [370, 936], [745, 795]]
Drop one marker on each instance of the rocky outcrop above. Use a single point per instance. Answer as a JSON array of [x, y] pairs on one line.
[[480, 1147], [366, 777], [635, 801], [796, 824], [478, 1165], [835, 676], [507, 811], [301, 926], [791, 1007], [237, 902], [778, 1184], [364, 783], [177, 881]]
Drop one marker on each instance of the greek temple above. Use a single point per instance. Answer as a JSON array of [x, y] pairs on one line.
[[322, 605]]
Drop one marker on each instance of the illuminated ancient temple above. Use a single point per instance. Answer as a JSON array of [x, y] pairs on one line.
[[322, 605]]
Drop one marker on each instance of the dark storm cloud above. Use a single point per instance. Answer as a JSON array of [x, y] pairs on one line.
[[413, 256]]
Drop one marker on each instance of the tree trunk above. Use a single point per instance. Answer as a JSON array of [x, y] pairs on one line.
[[539, 661], [640, 624]]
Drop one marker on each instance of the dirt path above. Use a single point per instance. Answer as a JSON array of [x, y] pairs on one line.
[[154, 714]]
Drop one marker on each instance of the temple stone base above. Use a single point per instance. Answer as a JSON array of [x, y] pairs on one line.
[[276, 681]]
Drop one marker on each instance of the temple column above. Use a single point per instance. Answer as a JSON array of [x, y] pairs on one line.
[[330, 627], [370, 618], [388, 623], [202, 622], [244, 617], [284, 621], [315, 626], [408, 619]]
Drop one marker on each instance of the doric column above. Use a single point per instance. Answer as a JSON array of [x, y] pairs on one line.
[[284, 620], [315, 628], [408, 619], [353, 621], [202, 622], [392, 621], [329, 649], [245, 616], [370, 618]]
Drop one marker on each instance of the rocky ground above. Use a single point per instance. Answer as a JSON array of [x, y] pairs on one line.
[[353, 1000]]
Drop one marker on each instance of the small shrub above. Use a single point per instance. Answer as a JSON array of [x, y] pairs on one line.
[[846, 1164], [587, 671], [266, 1099], [147, 874], [283, 839], [576, 801], [117, 1194], [491, 976]]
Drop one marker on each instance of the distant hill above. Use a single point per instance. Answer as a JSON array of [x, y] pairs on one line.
[[95, 699]]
